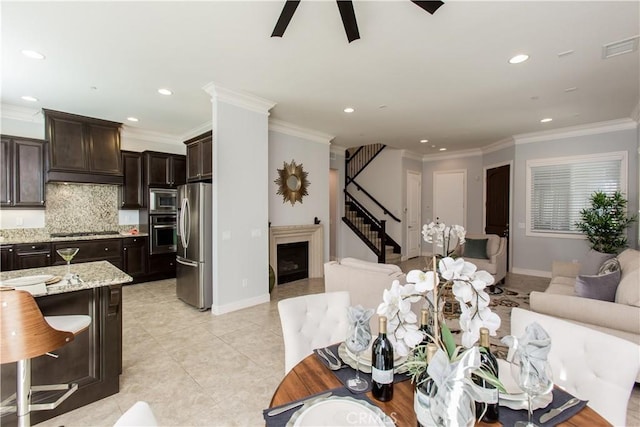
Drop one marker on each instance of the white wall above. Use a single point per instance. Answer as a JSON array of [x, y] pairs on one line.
[[314, 157], [534, 255]]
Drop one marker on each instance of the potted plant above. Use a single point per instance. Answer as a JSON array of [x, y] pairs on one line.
[[605, 222]]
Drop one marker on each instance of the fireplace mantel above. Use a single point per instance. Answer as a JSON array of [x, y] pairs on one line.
[[312, 233]]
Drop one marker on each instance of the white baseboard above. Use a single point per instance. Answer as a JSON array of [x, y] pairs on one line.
[[539, 273], [239, 305]]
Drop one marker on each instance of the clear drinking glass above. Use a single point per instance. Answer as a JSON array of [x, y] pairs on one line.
[[535, 379], [358, 340], [67, 254]]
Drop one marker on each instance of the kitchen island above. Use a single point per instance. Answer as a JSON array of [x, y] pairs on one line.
[[94, 358]]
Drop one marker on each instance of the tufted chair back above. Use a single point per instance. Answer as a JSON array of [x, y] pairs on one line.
[[312, 321], [589, 364]]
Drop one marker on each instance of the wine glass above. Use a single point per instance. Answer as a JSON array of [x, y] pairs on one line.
[[534, 378], [67, 254], [358, 340]]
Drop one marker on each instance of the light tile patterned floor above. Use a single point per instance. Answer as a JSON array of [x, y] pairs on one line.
[[196, 369]]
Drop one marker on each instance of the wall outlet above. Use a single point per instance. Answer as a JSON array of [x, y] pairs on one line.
[[226, 235], [256, 232], [521, 225], [19, 221], [244, 283]]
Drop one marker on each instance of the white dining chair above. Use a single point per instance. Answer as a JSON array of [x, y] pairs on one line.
[[139, 415], [589, 364], [312, 321]]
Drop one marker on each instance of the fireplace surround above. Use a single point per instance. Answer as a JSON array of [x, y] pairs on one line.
[[312, 233]]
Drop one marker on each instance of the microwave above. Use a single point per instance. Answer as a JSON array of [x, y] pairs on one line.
[[162, 201]]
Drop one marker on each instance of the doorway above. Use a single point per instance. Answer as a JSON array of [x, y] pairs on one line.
[[497, 202], [414, 213]]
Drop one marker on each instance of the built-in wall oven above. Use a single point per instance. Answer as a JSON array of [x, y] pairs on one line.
[[162, 201], [162, 232]]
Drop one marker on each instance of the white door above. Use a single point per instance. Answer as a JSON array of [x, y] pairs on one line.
[[449, 197], [414, 213]]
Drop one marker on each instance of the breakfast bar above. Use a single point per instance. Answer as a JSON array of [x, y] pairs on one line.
[[94, 359]]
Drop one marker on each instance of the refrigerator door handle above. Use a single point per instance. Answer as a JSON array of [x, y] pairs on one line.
[[183, 213], [186, 262]]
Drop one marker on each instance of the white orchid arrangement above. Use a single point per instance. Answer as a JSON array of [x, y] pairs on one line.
[[443, 235], [467, 285]]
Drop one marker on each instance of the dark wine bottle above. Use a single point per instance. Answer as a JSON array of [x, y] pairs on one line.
[[382, 364], [426, 390], [425, 327], [489, 363]]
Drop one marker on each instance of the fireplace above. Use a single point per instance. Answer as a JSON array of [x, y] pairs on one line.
[[312, 234], [293, 261]]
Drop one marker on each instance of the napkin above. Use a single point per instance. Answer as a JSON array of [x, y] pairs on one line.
[[508, 417], [346, 373], [533, 347], [282, 419]]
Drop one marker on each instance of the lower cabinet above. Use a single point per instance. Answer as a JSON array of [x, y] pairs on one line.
[[135, 251], [6, 257], [31, 255], [92, 250], [162, 266]]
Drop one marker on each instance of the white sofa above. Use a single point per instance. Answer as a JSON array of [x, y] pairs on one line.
[[496, 264], [365, 281]]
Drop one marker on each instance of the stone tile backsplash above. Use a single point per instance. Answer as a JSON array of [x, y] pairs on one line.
[[81, 207]]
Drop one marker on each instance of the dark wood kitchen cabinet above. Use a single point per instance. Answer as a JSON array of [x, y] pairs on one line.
[[83, 149], [6, 257], [92, 250], [199, 160], [131, 193], [164, 169], [32, 255], [134, 256], [23, 165]]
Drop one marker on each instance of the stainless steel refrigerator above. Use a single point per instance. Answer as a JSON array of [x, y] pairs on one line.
[[194, 283]]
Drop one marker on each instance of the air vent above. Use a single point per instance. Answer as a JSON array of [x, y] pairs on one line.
[[620, 47]]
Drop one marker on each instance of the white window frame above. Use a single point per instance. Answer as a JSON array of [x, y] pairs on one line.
[[622, 156]]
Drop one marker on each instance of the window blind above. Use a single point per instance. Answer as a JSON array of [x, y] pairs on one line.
[[560, 191]]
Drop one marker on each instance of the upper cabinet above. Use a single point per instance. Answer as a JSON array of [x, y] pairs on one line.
[[132, 195], [83, 149], [199, 159], [164, 170], [22, 161]]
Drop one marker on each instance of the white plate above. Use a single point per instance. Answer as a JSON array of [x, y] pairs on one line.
[[515, 398], [27, 280], [339, 411], [365, 366], [365, 356]]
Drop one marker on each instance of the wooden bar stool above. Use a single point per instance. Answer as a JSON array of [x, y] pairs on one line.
[[25, 333]]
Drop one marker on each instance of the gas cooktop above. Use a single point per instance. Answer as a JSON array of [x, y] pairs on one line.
[[84, 233]]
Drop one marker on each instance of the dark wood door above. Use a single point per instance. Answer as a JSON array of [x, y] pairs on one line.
[[67, 148], [497, 208], [134, 256], [194, 162], [157, 169], [178, 170], [207, 159], [104, 146], [132, 192], [29, 173], [6, 165], [32, 255], [6, 258]]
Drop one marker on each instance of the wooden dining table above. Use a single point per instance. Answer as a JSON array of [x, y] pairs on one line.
[[311, 376]]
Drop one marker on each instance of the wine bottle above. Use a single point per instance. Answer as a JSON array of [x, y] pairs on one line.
[[488, 362], [425, 327], [382, 364], [425, 391]]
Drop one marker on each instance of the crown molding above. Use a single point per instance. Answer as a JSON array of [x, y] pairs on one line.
[[575, 131], [239, 99], [408, 154], [338, 149], [198, 130], [24, 114], [150, 135], [456, 155], [499, 145], [287, 128]]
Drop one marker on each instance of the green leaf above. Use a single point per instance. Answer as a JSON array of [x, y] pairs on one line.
[[447, 339]]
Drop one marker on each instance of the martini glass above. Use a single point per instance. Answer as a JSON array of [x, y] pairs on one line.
[[67, 254]]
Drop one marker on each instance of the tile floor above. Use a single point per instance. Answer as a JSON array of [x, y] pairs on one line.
[[196, 369]]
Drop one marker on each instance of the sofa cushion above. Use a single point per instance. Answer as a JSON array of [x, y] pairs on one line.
[[602, 287], [371, 266], [609, 266], [475, 248], [592, 262], [628, 290]]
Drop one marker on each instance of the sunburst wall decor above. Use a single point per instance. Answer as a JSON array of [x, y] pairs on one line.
[[292, 182]]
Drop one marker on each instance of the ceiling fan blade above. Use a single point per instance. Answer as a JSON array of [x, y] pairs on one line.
[[349, 20], [285, 17], [429, 6]]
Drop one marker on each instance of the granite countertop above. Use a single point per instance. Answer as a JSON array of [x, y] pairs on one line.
[[93, 275], [47, 238]]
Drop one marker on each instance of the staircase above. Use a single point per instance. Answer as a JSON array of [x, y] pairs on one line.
[[371, 230]]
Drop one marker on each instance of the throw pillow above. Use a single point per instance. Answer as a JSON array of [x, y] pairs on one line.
[[598, 287], [591, 263], [475, 248], [609, 266]]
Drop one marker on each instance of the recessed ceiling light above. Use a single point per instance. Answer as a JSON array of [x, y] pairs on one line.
[[433, 146], [570, 89], [29, 98], [382, 106], [165, 92], [424, 141], [546, 120], [132, 119], [349, 110], [443, 149], [32, 54], [518, 59]]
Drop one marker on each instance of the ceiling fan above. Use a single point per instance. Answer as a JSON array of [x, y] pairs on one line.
[[346, 13]]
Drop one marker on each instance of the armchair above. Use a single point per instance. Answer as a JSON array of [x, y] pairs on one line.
[[491, 257]]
